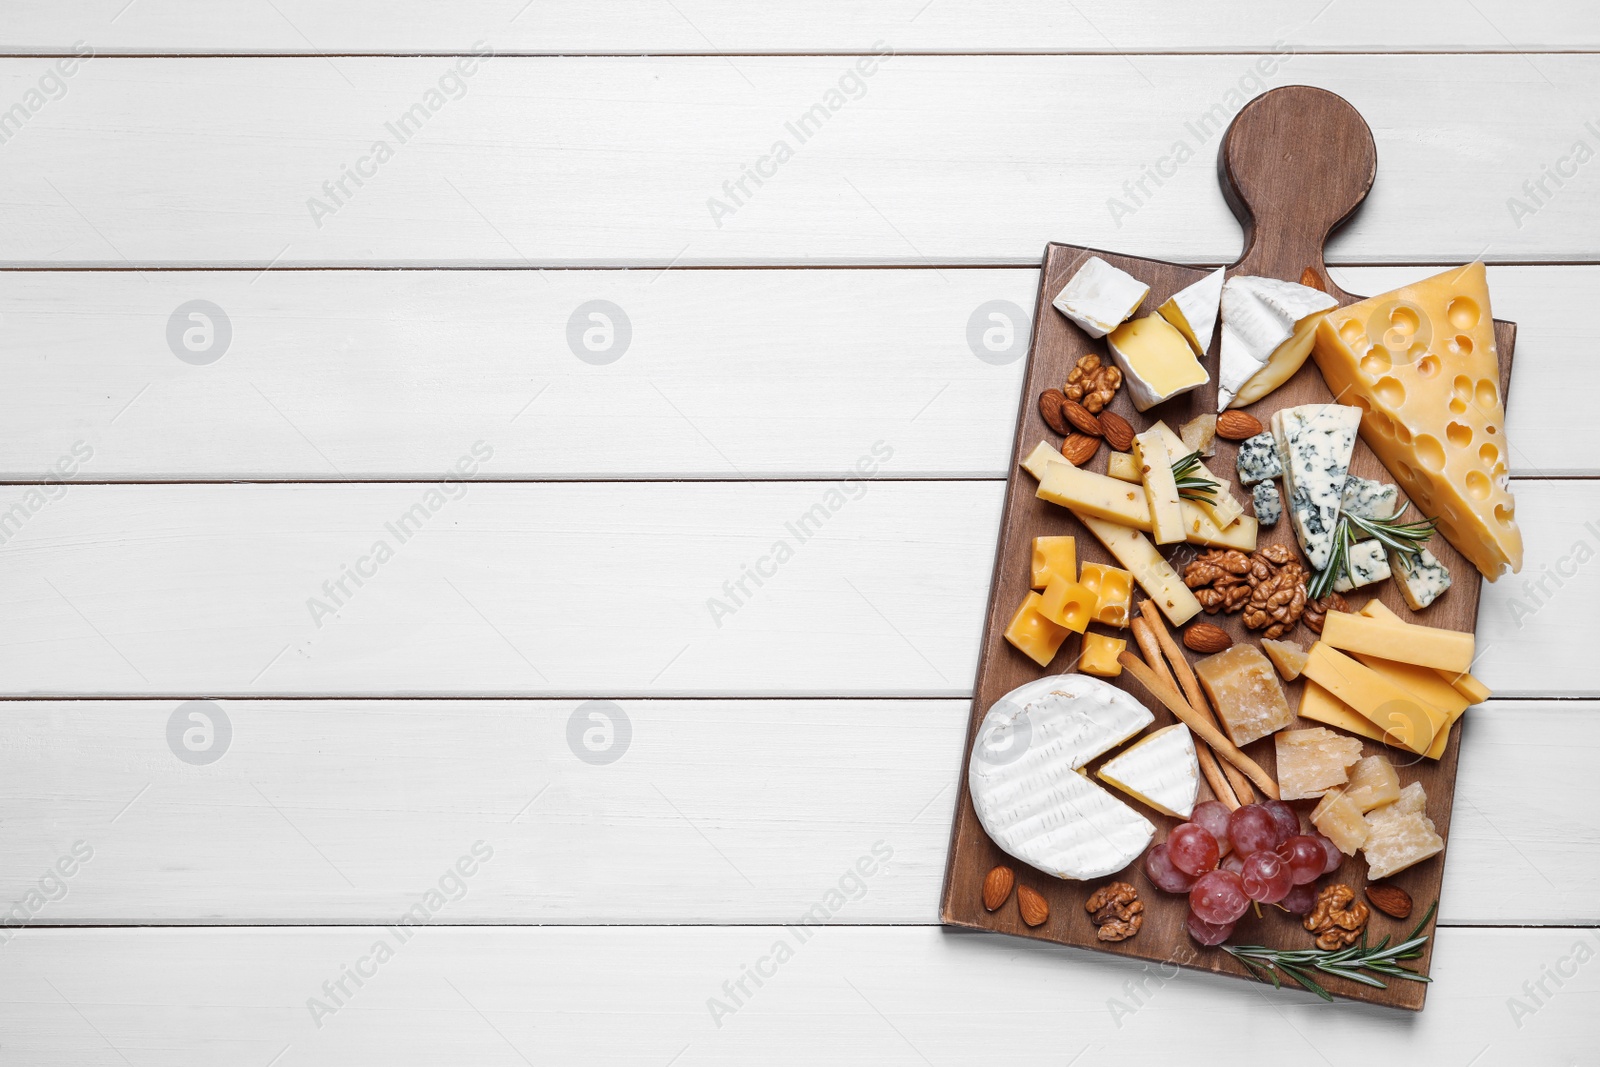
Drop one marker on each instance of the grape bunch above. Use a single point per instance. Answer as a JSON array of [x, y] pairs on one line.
[[1224, 860]]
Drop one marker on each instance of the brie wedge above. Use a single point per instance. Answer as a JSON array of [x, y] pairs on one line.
[[1025, 782], [1157, 363], [1194, 310], [1161, 770], [1100, 297], [1260, 316]]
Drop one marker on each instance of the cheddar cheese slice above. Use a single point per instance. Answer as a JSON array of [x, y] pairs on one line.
[[1413, 722], [1425, 646], [1421, 364]]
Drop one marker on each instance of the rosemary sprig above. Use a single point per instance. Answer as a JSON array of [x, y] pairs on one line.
[[1406, 538], [1266, 964], [1193, 486]]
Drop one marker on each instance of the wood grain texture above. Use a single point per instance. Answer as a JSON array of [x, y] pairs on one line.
[[598, 162], [903, 998], [389, 374], [711, 814], [1295, 163], [205, 589], [702, 26]]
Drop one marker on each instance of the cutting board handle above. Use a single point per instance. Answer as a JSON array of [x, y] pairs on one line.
[[1295, 163]]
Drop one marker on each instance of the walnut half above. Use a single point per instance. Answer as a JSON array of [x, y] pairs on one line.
[[1338, 918], [1092, 384], [1117, 910]]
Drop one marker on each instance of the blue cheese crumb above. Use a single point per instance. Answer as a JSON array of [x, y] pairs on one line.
[[1367, 499], [1258, 459], [1269, 508]]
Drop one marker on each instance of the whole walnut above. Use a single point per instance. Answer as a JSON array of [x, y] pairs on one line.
[[1092, 384], [1338, 918]]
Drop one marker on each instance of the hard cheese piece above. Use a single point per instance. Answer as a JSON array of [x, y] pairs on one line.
[[1319, 705], [1315, 442], [1412, 722], [1469, 687], [1365, 563], [1155, 575], [1199, 529], [1194, 310], [1054, 555], [1245, 693], [1024, 782], [1426, 646], [1223, 508], [1161, 489], [1260, 315], [1259, 460], [1067, 604], [1368, 499], [1123, 467], [1269, 506], [1087, 493], [1100, 654], [1421, 577], [1313, 761], [1373, 783], [1157, 363], [1199, 434], [1400, 835], [1034, 635], [1113, 590], [1338, 819], [1099, 297], [1287, 656], [1042, 458], [1161, 770], [1421, 363]]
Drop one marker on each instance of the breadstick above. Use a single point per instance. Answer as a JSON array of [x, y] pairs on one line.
[[1145, 635], [1175, 703], [1192, 690]]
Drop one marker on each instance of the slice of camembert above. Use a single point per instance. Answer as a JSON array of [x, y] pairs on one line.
[[1267, 331], [1157, 363], [1194, 310], [1024, 781], [1099, 297], [1161, 770], [1421, 363]]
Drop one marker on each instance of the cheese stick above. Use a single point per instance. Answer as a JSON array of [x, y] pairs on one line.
[[1145, 635]]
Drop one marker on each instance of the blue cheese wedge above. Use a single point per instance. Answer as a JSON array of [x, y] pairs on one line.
[[1315, 442], [1367, 499], [1258, 459], [1099, 298], [1365, 563], [1268, 505], [1422, 578]]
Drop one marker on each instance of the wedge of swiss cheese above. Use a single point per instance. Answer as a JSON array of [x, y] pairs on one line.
[[1421, 364]]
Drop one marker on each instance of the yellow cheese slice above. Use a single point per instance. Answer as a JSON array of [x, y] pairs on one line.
[[1088, 493], [1160, 487], [1155, 575], [1465, 684], [1225, 509], [1421, 364], [1411, 721], [1425, 646], [1198, 529], [1319, 705], [1123, 467]]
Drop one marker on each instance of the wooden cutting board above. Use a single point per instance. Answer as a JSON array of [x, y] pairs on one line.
[[1295, 164]]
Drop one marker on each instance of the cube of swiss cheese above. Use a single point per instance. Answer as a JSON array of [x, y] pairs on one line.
[[1245, 692]]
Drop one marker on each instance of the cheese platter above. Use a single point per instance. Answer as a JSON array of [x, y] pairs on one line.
[[1226, 661]]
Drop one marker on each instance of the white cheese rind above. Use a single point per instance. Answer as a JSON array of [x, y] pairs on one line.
[[1099, 297], [1161, 770], [1367, 499], [1258, 315], [1315, 442], [1194, 310], [1365, 563], [1269, 507], [1422, 578], [1259, 460], [1024, 781]]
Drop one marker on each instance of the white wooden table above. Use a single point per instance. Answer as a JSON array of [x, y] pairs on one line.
[[196, 495]]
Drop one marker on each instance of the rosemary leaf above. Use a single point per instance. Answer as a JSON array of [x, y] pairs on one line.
[[1349, 963]]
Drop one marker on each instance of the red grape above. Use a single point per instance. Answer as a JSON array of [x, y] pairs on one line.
[[1335, 857], [1192, 849], [1305, 857], [1265, 877], [1300, 901], [1234, 863], [1213, 815], [1209, 933], [1219, 897], [1251, 828], [1158, 865], [1282, 814]]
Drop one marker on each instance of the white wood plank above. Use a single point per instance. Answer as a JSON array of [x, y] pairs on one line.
[[699, 26], [727, 373], [615, 161], [591, 589], [628, 996], [710, 812]]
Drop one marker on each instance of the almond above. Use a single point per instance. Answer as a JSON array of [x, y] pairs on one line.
[[1118, 434], [1206, 638], [1237, 425], [1033, 907], [1081, 418], [1079, 448], [997, 887], [1050, 402], [1390, 899], [1311, 278]]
